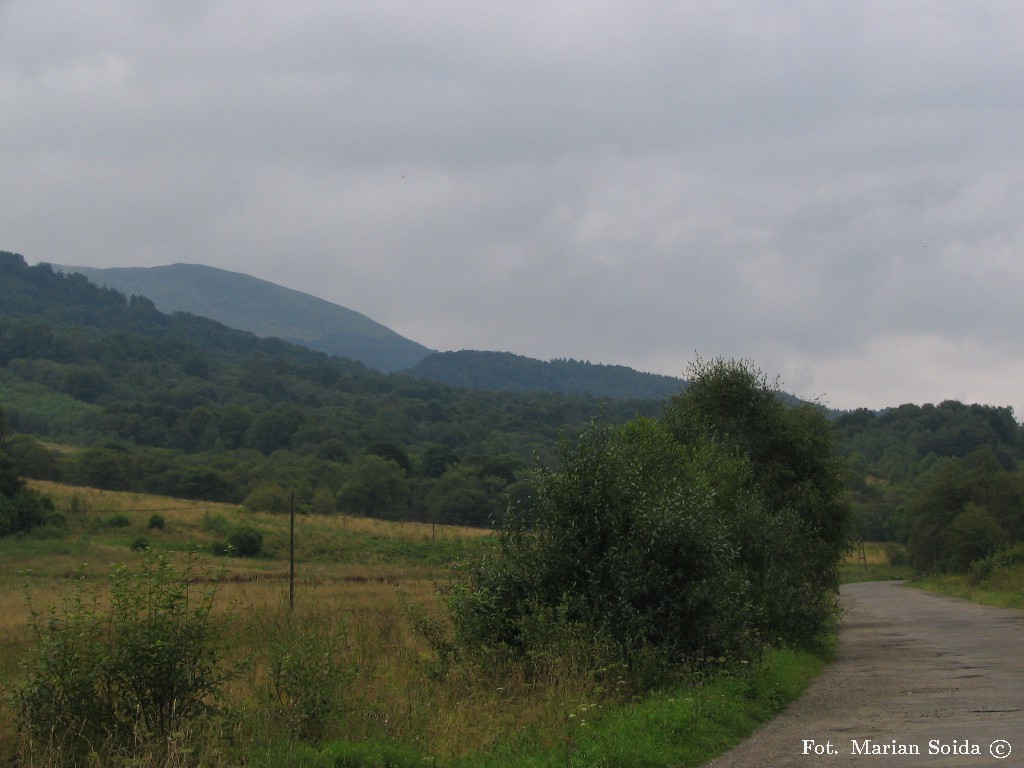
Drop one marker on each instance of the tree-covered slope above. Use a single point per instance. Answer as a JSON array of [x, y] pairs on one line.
[[506, 372], [265, 309], [183, 405]]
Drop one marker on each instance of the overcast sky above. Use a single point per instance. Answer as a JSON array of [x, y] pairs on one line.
[[833, 189]]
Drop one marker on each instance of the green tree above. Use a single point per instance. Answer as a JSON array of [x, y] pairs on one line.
[[268, 498], [667, 539], [970, 507], [461, 497], [374, 487], [974, 534], [789, 445], [21, 509]]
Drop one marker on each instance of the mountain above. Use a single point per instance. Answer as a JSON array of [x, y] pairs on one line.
[[263, 308], [182, 405], [506, 372], [269, 310]]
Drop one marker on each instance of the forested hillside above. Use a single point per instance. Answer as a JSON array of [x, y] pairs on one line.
[[183, 405], [506, 372], [943, 479], [245, 302]]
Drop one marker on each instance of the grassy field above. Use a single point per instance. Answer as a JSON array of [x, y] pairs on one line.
[[369, 628]]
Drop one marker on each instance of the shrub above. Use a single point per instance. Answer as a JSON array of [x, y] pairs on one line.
[[140, 544], [103, 678], [896, 554], [628, 543], [26, 510], [156, 522], [307, 673], [1007, 559], [246, 541], [268, 498], [216, 523], [117, 520]]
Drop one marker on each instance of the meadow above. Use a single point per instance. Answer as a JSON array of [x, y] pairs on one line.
[[361, 671]]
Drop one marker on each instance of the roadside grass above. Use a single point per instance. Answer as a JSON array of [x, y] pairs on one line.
[[366, 605], [1005, 588]]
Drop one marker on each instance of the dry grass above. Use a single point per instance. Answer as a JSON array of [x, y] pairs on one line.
[[361, 578]]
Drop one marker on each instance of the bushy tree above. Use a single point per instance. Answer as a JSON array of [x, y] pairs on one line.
[[689, 538], [789, 445]]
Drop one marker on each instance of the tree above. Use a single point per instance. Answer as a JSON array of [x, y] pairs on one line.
[[970, 508], [973, 535], [789, 446], [436, 459], [374, 487], [710, 533], [21, 509]]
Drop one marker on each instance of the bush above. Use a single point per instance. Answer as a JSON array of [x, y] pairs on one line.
[[25, 511], [140, 544], [105, 678], [156, 522], [1007, 560], [268, 498], [243, 541], [307, 673], [630, 542], [118, 520], [216, 524], [896, 554], [246, 541]]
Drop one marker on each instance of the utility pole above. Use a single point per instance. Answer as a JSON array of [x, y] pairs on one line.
[[291, 555]]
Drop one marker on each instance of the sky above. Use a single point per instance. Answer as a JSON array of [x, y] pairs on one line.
[[832, 190]]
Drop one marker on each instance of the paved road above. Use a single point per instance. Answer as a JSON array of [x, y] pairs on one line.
[[914, 672]]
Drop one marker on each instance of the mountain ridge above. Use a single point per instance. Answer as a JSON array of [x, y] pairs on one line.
[[270, 310], [264, 308], [509, 372]]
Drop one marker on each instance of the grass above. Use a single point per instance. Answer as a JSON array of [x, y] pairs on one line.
[[366, 600], [872, 563], [1005, 588]]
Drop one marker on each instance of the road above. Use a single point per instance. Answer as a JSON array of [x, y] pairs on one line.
[[927, 676]]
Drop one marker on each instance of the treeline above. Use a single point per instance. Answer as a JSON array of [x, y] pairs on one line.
[[21, 508], [945, 480], [185, 406], [506, 372]]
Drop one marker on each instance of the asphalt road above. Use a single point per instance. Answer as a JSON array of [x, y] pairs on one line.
[[919, 680]]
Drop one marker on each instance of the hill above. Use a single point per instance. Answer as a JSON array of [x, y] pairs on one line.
[[263, 308], [185, 406], [269, 310], [506, 372]]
